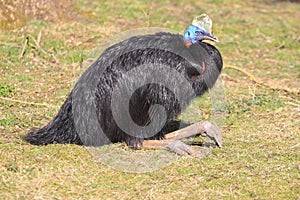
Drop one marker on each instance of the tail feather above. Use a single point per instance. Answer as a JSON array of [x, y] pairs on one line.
[[60, 130]]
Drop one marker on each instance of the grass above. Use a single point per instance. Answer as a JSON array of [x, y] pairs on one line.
[[260, 158]]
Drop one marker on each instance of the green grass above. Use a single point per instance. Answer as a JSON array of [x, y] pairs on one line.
[[6, 90], [260, 158]]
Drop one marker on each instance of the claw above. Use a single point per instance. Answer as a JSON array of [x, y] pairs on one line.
[[213, 132]]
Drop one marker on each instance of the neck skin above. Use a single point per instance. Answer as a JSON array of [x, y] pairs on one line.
[[187, 43]]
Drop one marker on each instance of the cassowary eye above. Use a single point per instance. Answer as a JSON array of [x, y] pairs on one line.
[[197, 32]]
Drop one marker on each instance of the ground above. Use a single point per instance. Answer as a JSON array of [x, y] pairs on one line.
[[40, 62]]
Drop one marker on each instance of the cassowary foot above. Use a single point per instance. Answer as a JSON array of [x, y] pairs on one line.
[[204, 128], [172, 143], [134, 143], [181, 148]]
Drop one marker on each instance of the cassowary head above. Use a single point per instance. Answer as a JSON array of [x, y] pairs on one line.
[[200, 29]]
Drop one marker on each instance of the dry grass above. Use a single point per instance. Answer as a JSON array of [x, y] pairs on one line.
[[260, 158], [17, 13]]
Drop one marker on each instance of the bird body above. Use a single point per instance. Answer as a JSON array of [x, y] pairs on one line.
[[151, 77]]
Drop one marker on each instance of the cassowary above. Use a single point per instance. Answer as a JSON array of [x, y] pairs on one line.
[[135, 90]]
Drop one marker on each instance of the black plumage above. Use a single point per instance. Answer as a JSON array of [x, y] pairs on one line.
[[89, 114]]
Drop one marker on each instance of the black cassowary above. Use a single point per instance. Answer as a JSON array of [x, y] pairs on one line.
[[133, 92]]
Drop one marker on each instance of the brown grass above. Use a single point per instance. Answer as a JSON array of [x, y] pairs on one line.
[[16, 13]]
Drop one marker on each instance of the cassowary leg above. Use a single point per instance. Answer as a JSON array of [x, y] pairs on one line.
[[135, 143], [172, 140]]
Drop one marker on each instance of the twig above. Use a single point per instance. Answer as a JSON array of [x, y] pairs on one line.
[[293, 104], [147, 13], [296, 145], [24, 47], [251, 76], [39, 38], [256, 80], [28, 103], [37, 45]]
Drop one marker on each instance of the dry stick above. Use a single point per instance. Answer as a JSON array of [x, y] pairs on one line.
[[147, 13], [24, 47], [37, 45], [28, 103], [39, 38], [256, 80]]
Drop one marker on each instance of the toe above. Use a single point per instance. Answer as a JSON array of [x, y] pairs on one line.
[[180, 148]]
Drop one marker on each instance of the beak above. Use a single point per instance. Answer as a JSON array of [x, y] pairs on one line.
[[209, 36]]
